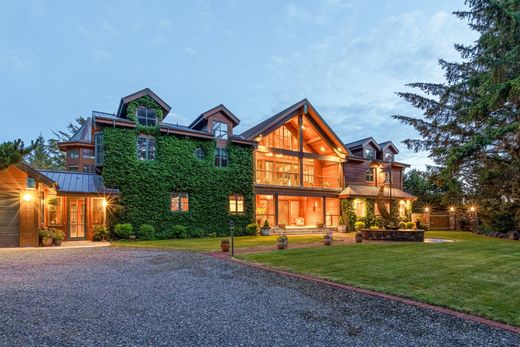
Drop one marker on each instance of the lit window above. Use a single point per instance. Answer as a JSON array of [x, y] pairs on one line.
[[389, 156], [370, 175], [370, 153], [388, 175], [221, 157], [87, 153], [359, 207], [199, 153], [98, 211], [31, 183], [146, 117], [55, 210], [146, 148], [73, 153], [179, 202], [98, 148], [236, 203], [220, 130], [402, 208]]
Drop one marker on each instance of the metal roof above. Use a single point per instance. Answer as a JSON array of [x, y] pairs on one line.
[[352, 145], [78, 182], [84, 133], [371, 191]]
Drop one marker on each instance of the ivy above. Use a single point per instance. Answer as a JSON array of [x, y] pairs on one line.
[[370, 217], [147, 102], [348, 213], [146, 185]]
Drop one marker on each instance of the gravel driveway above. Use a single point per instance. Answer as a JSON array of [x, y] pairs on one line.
[[125, 297]]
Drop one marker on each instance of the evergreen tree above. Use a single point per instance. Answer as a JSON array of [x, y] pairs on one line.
[[13, 152], [471, 123], [56, 156], [39, 158]]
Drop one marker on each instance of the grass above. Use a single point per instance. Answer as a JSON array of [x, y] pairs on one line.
[[209, 244], [475, 274]]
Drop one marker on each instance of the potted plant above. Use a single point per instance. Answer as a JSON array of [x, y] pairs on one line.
[[319, 224], [359, 237], [282, 225], [45, 237], [342, 226], [224, 245], [282, 241], [58, 236], [100, 233], [266, 229], [327, 239]]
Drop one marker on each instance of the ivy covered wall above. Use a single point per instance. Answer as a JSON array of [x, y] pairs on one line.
[[146, 185]]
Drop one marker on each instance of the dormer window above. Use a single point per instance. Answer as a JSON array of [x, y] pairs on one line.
[[146, 117], [388, 156], [370, 153], [220, 130]]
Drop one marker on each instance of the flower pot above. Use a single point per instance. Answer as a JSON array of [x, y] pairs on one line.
[[224, 245], [265, 231], [281, 244], [47, 242], [57, 242], [342, 228], [327, 241], [359, 237]]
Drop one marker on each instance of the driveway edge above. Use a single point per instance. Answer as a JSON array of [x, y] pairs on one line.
[[466, 316]]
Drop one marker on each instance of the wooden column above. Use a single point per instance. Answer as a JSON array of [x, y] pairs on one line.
[[276, 209], [300, 151], [324, 212]]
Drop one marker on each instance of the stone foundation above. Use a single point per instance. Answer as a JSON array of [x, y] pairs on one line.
[[393, 235]]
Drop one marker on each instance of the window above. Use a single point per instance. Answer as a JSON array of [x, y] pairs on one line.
[[359, 207], [236, 203], [146, 117], [370, 175], [221, 157], [179, 202], [31, 183], [370, 153], [199, 153], [73, 167], [87, 153], [88, 168], [73, 153], [98, 148], [98, 211], [146, 148], [387, 176], [55, 210], [402, 208], [220, 130], [389, 156]]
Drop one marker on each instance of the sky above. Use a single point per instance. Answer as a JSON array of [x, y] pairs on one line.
[[63, 59]]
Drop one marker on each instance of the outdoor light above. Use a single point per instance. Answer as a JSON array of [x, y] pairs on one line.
[[104, 203], [472, 208], [452, 209], [426, 209], [27, 197], [322, 149]]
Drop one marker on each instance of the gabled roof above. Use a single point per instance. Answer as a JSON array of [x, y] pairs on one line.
[[371, 191], [121, 110], [78, 182], [84, 133], [390, 144], [33, 173], [280, 118], [220, 108], [363, 142]]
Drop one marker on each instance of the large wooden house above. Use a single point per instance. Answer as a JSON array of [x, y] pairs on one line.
[[291, 169]]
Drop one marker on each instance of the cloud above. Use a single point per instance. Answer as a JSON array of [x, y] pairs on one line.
[[101, 56], [189, 50]]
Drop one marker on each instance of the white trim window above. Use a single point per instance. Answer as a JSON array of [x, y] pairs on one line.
[[236, 203], [179, 202], [146, 148], [146, 117], [221, 157], [219, 130]]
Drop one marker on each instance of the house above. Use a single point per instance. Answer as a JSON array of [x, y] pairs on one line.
[[290, 169]]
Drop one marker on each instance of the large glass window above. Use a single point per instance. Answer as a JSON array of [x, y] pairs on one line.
[[359, 207], [265, 209], [220, 130], [179, 202], [199, 153], [55, 210], [283, 137], [236, 203], [87, 153], [73, 153], [370, 174], [221, 157], [370, 153], [146, 117], [98, 148], [146, 148], [98, 211], [389, 156]]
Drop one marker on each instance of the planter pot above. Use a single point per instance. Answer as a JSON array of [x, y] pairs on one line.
[[224, 246], [281, 244], [359, 238], [57, 242], [47, 242], [327, 241], [265, 231], [342, 228]]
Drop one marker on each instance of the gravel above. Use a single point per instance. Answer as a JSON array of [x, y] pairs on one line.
[[138, 297]]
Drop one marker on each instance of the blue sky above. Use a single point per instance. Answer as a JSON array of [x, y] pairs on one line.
[[62, 59]]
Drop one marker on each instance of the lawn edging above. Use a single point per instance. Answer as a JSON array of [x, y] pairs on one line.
[[440, 309]]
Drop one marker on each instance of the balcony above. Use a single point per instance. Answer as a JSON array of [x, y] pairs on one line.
[[291, 179]]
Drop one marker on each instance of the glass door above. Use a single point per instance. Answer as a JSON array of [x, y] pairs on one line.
[[76, 218]]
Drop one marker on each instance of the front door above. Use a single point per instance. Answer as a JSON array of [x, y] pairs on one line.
[[76, 218]]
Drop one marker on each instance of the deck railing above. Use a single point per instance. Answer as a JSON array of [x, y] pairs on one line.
[[290, 179]]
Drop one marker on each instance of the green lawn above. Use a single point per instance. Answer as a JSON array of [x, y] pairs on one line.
[[475, 274], [209, 244]]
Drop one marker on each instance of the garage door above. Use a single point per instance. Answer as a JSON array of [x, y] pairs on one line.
[[9, 219]]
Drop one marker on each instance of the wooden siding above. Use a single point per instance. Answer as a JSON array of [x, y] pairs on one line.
[[355, 173]]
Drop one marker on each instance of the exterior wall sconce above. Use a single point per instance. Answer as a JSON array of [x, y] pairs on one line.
[[104, 203], [27, 197]]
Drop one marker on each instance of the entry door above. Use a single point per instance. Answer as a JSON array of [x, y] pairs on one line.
[[294, 212], [283, 212], [76, 218]]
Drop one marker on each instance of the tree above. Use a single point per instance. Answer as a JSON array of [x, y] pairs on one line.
[[13, 152], [471, 123], [39, 158], [56, 157]]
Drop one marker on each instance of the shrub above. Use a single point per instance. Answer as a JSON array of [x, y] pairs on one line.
[[374, 227], [402, 225], [359, 225], [379, 221], [342, 221], [212, 235], [266, 224], [146, 232], [251, 229], [196, 232], [100, 233], [58, 235], [410, 225], [123, 231], [45, 233]]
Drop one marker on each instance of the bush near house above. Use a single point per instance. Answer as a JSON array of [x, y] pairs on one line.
[[146, 232], [100, 233], [252, 229], [359, 225], [123, 231]]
